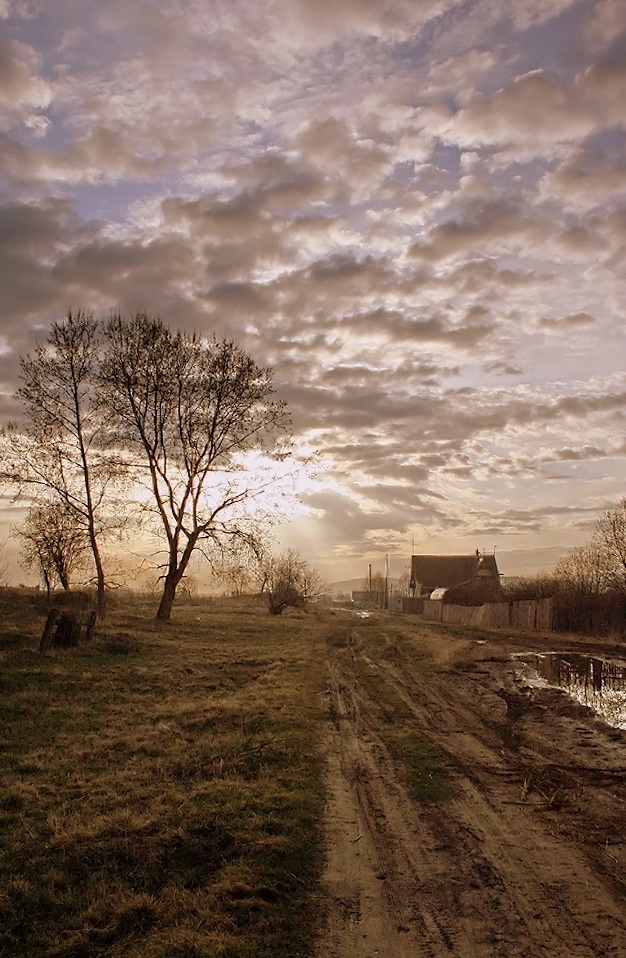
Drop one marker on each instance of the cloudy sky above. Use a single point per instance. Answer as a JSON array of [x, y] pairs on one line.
[[412, 209]]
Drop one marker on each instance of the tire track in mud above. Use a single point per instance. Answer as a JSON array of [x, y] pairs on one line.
[[373, 864], [548, 886], [480, 875]]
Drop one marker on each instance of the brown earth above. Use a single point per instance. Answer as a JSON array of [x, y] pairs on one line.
[[529, 857]]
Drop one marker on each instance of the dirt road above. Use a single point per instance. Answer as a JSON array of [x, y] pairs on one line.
[[528, 858]]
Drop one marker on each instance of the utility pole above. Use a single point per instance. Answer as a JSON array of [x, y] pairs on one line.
[[387, 581]]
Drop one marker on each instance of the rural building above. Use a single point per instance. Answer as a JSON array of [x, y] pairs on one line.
[[476, 571]]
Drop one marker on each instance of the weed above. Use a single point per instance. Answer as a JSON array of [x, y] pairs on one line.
[[423, 764]]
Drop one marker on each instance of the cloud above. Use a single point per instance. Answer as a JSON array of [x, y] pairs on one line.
[[533, 113], [323, 21], [480, 224], [570, 323], [413, 212], [587, 178], [604, 22], [19, 9], [574, 455], [24, 94], [31, 236], [603, 81]]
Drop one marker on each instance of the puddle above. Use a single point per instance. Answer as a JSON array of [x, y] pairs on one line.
[[597, 683]]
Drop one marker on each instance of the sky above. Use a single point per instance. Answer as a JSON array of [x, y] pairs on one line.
[[413, 210]]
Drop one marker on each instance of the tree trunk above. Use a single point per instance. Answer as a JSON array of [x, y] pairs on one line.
[[100, 583], [48, 629], [101, 596], [167, 599], [91, 519], [175, 571]]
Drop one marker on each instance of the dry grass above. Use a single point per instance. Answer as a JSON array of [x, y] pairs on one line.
[[162, 786]]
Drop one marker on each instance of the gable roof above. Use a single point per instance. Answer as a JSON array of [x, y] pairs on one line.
[[443, 572]]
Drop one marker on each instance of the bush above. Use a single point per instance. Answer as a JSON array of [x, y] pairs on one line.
[[291, 582]]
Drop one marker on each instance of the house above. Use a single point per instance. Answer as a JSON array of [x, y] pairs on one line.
[[430, 572]]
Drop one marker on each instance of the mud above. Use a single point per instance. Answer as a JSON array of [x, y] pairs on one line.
[[590, 680], [529, 857]]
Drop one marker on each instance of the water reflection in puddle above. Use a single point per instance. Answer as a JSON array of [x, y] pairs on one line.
[[597, 683]]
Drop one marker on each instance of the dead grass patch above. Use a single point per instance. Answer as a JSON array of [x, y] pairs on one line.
[[163, 789]]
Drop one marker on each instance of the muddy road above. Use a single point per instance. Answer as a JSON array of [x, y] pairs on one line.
[[523, 853]]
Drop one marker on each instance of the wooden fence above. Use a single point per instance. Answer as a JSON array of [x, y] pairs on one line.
[[534, 614]]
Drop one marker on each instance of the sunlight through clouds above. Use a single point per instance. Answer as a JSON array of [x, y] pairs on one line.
[[414, 212]]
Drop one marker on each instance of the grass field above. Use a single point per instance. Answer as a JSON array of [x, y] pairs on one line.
[[162, 786]]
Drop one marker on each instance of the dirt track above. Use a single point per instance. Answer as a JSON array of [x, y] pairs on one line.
[[529, 858]]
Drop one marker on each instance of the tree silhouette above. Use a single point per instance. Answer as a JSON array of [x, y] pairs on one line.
[[54, 543], [60, 447], [189, 409]]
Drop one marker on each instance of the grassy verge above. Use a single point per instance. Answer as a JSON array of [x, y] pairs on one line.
[[162, 787]]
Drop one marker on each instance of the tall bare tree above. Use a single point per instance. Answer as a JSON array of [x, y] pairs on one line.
[[610, 539], [189, 408], [54, 543], [58, 449]]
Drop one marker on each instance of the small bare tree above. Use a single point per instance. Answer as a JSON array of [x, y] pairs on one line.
[[54, 543], [379, 590], [377, 587], [190, 409], [291, 582]]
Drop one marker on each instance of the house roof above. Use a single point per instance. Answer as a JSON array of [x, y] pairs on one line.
[[443, 572]]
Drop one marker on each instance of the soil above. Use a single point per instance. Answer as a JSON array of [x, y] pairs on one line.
[[529, 857]]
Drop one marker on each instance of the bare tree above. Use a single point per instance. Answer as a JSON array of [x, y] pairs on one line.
[[54, 543], [379, 590], [291, 581], [191, 409], [404, 583], [236, 573], [376, 586], [59, 448], [610, 540], [583, 569]]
